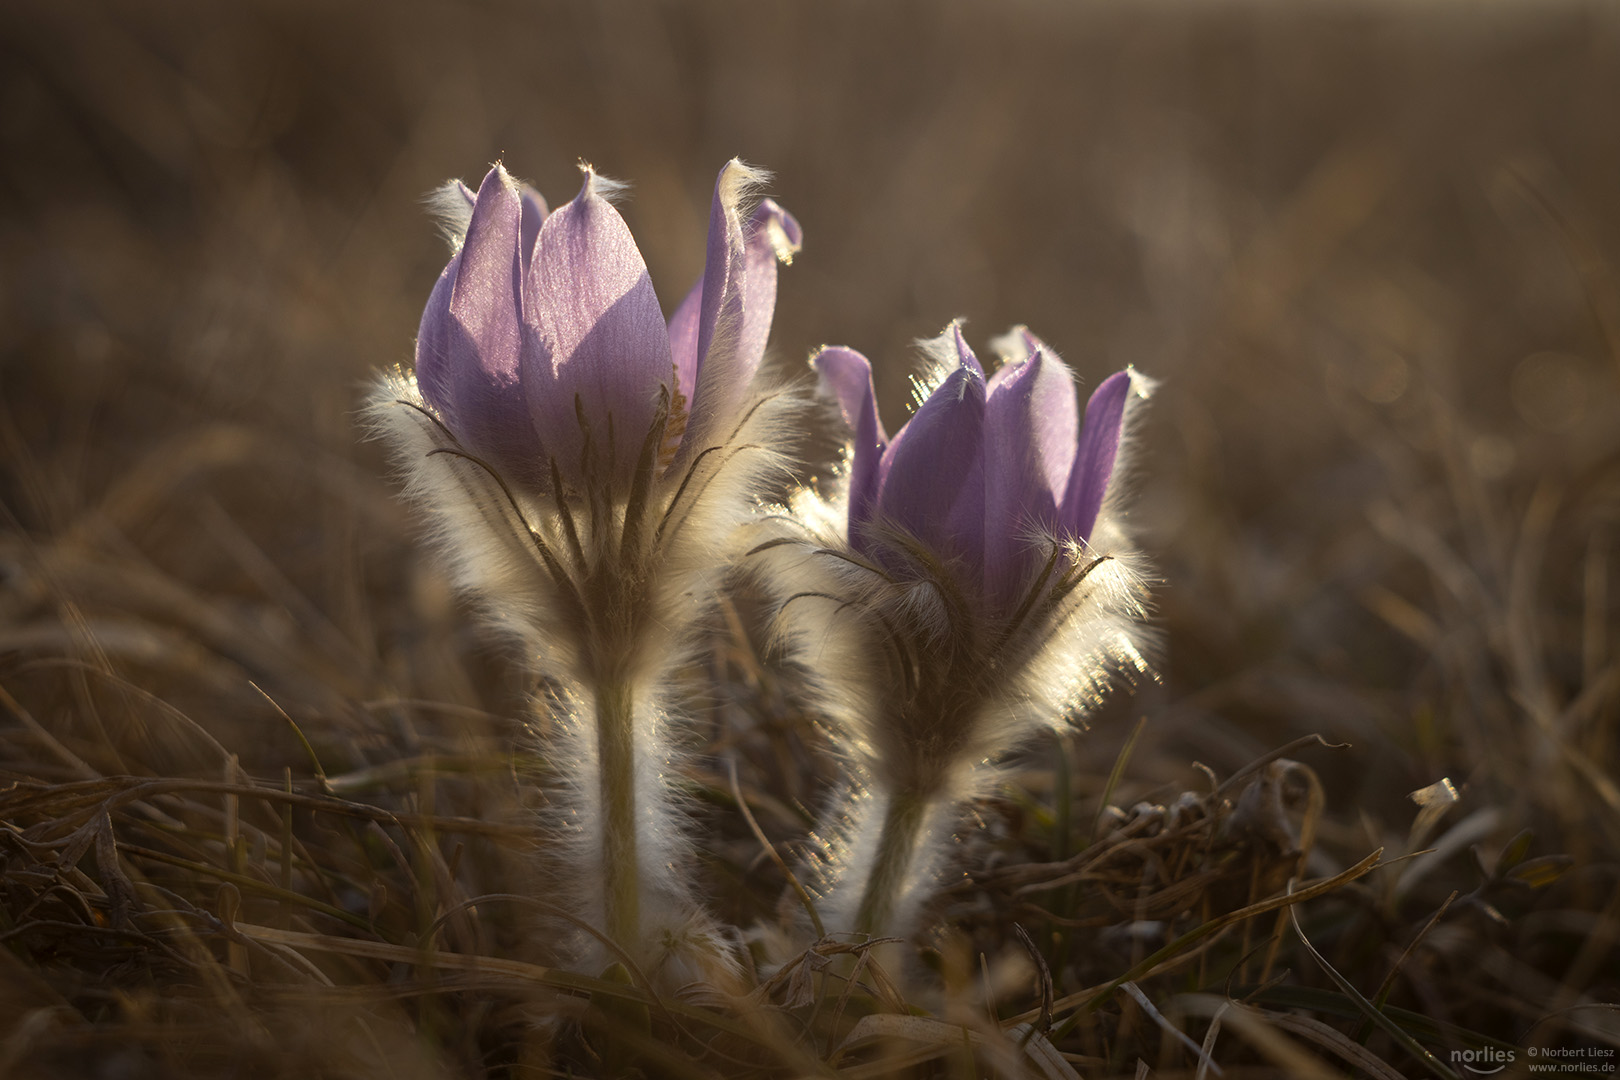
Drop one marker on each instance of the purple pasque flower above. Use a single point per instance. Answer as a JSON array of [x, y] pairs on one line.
[[978, 590], [586, 465], [988, 472], [543, 348]]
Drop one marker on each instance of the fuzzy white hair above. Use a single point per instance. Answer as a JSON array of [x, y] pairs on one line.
[[923, 692], [543, 566]]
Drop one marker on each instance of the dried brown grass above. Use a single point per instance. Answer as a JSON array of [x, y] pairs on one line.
[[265, 803]]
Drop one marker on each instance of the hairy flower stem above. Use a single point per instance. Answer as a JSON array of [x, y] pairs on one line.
[[892, 866], [616, 762]]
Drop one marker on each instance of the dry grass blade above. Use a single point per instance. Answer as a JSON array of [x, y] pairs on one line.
[[1373, 1013], [73, 761], [1256, 1028], [1205, 1062], [799, 890], [110, 794], [1332, 1039], [488, 966], [1089, 1000], [934, 1039], [1118, 771]]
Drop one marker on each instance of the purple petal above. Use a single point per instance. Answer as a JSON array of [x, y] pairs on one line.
[[1031, 420], [487, 294], [534, 215], [848, 377], [773, 236], [1002, 374], [683, 339], [720, 310], [718, 333], [467, 355], [964, 354], [594, 331], [715, 303], [1012, 349], [434, 363], [1094, 462], [932, 478]]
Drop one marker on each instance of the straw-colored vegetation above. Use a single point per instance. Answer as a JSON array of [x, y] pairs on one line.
[[268, 798]]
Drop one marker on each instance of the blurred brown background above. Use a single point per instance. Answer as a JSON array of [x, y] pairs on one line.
[[1368, 249]]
